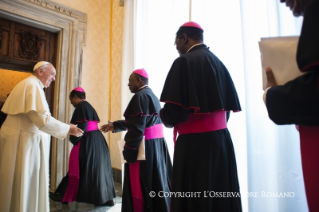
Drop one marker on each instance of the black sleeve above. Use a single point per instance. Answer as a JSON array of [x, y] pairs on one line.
[[133, 137], [227, 115], [296, 102], [119, 126], [83, 126], [172, 114]]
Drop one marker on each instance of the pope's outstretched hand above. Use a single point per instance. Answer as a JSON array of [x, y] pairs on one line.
[[75, 131]]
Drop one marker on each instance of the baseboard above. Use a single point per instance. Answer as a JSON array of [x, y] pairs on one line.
[[117, 175]]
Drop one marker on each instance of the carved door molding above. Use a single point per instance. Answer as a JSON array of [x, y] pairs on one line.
[[29, 45], [70, 25]]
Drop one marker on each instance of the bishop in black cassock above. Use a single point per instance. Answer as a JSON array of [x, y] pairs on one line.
[[153, 174], [297, 102], [199, 95]]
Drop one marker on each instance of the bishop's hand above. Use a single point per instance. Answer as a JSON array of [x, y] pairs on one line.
[[271, 81], [107, 127], [75, 131]]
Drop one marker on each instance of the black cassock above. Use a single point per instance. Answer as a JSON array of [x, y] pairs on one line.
[[3, 117], [297, 102], [155, 171], [203, 162], [96, 185]]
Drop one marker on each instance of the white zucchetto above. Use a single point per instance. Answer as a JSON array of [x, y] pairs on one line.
[[39, 64]]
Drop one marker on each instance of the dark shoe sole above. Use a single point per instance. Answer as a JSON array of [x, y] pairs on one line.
[[55, 197], [108, 203]]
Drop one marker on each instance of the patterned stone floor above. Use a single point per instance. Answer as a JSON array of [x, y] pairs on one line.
[[83, 207]]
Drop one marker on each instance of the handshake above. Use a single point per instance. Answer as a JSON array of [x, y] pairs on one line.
[[107, 127], [77, 132]]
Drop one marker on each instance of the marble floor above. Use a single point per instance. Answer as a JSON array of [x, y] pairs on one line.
[[83, 207]]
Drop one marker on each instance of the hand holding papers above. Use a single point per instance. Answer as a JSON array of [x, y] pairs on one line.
[[271, 81], [141, 150], [279, 53]]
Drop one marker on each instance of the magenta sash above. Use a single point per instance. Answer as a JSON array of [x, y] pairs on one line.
[[74, 175], [201, 122], [74, 168], [153, 132], [309, 147], [136, 190], [92, 125]]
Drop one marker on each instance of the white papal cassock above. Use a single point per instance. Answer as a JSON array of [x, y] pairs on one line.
[[25, 148]]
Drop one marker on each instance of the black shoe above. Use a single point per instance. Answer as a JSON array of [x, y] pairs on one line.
[[108, 203], [55, 197]]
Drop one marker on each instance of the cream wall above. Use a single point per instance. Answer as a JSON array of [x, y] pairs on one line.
[[102, 61], [116, 76]]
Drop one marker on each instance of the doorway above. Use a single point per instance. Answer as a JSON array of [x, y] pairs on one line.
[[21, 47]]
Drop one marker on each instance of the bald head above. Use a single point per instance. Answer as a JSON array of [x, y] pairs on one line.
[[296, 6]]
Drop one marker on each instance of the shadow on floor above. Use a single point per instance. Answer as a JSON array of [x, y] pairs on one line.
[[83, 207]]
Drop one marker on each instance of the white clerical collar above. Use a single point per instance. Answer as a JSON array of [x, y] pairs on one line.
[[142, 87], [193, 46], [41, 84]]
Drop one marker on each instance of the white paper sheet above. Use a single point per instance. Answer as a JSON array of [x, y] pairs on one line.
[[279, 53], [141, 150]]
